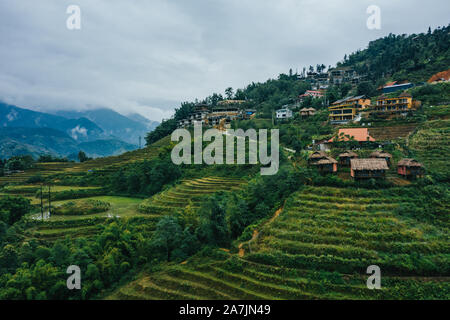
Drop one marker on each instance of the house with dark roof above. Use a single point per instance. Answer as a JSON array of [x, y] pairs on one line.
[[368, 168], [382, 155], [345, 157], [410, 168]]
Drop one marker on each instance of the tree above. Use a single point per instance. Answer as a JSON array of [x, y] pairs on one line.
[[82, 157], [167, 235], [213, 227], [229, 93], [15, 208], [366, 88]]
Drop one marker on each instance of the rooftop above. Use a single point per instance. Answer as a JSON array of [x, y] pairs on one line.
[[369, 164], [348, 153], [358, 134], [409, 163], [380, 154]]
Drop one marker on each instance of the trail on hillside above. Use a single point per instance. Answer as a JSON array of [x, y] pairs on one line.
[[256, 232]]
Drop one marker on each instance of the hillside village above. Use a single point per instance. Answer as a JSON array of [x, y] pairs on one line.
[[363, 181]]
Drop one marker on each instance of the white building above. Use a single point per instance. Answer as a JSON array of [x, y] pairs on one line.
[[284, 113]]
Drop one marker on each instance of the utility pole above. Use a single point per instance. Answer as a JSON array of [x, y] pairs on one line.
[[49, 202], [42, 208], [139, 142]]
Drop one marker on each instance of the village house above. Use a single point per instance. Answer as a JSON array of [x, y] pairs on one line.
[[345, 157], [395, 86], [400, 105], [382, 155], [323, 162], [307, 112], [443, 76], [284, 113], [310, 93], [368, 168], [343, 75], [410, 168], [345, 110], [316, 156], [360, 135]]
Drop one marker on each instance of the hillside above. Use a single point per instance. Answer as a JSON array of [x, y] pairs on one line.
[[413, 57], [141, 227]]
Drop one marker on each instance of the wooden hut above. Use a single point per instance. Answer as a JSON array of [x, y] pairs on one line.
[[382, 155], [410, 168], [345, 157], [326, 165], [316, 156], [368, 168]]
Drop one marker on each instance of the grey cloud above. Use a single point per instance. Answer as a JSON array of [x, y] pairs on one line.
[[148, 56]]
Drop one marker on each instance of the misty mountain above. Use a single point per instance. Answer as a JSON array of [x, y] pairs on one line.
[[45, 141], [114, 124], [80, 129]]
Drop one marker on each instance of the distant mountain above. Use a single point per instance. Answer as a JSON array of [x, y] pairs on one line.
[[35, 142], [40, 141], [114, 124], [104, 148], [151, 125], [80, 129]]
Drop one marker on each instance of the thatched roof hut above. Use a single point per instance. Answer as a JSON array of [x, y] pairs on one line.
[[381, 154], [348, 154], [409, 163], [369, 164]]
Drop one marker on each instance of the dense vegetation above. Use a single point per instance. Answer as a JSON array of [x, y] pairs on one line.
[[225, 232]]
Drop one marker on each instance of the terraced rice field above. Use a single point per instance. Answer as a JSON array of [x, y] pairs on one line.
[[391, 133], [189, 192], [319, 247], [57, 227], [431, 144], [103, 164]]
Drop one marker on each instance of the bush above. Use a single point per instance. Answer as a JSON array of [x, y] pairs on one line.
[[79, 208]]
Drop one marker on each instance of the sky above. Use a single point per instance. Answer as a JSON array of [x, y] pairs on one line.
[[149, 56]]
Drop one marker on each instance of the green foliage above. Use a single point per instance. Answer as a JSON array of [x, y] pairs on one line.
[[84, 207], [415, 57], [13, 208], [145, 178]]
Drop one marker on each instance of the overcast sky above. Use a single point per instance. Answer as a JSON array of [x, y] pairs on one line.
[[148, 56]]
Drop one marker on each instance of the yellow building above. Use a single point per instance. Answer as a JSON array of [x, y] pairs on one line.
[[401, 104], [347, 109]]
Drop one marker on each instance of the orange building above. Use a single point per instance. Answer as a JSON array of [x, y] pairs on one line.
[[356, 134]]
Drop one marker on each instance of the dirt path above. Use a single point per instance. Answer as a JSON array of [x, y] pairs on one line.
[[256, 232]]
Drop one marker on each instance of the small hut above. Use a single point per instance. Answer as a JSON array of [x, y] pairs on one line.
[[316, 156], [326, 165], [345, 157], [306, 112], [410, 168], [382, 155], [368, 168]]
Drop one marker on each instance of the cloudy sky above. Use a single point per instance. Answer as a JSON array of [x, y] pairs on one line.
[[148, 56]]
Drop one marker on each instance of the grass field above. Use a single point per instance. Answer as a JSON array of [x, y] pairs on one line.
[[431, 145], [189, 192], [318, 248], [57, 226]]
